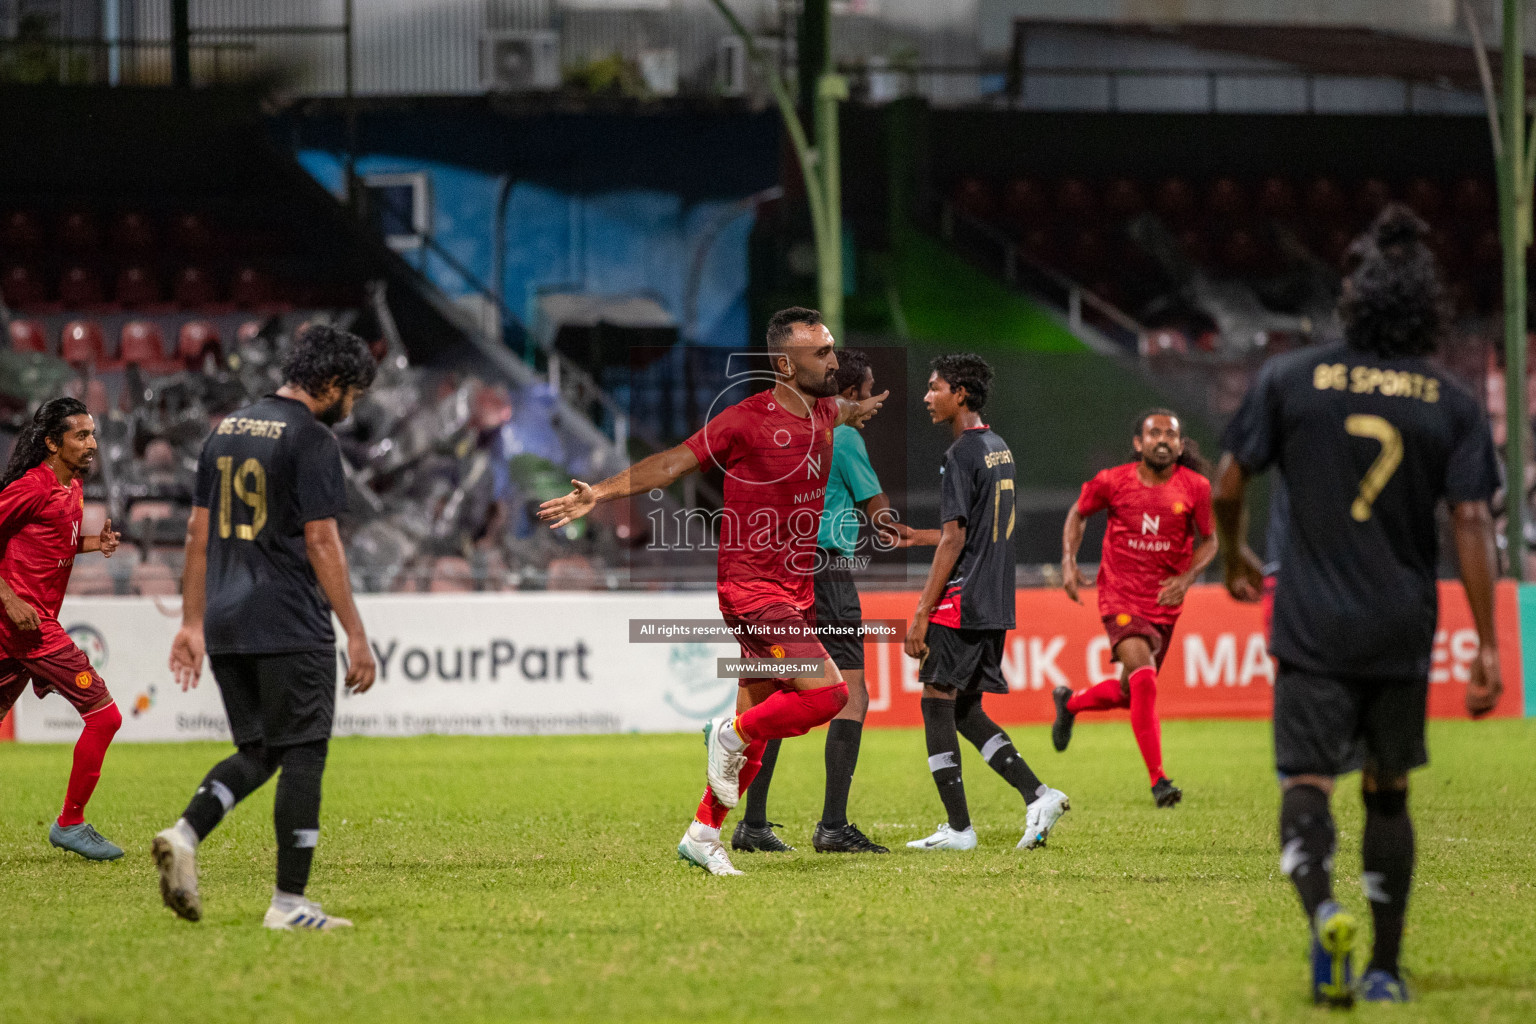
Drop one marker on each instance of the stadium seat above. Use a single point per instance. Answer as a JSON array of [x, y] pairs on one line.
[[1174, 200], [1487, 251], [1371, 196], [197, 339], [974, 196], [1277, 198], [80, 288], [78, 231], [152, 520], [1472, 198], [23, 230], [82, 344], [93, 516], [23, 287], [153, 579], [194, 288], [159, 455], [1425, 197], [133, 232], [573, 572], [1123, 198], [190, 232], [28, 336], [250, 288], [451, 575], [1041, 245], [1074, 199], [97, 402], [142, 344], [1325, 199], [1088, 254], [1241, 254], [1024, 203], [1196, 246], [1226, 199], [136, 287], [92, 577]]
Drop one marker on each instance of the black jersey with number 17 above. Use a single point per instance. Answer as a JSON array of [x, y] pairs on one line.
[[977, 491], [1367, 447], [264, 472]]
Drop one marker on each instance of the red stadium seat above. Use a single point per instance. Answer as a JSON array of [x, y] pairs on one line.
[[1241, 253], [1076, 200], [1124, 198], [1371, 196], [80, 288], [191, 233], [82, 343], [133, 232], [250, 288], [1174, 199], [1277, 198], [23, 287], [142, 344], [93, 516], [136, 286], [974, 196], [1325, 199], [194, 288], [196, 339], [1088, 254], [248, 332], [1226, 199], [77, 230], [23, 230], [1487, 250], [153, 579], [1025, 203], [451, 575], [1196, 246], [28, 336], [1425, 197], [1472, 198]]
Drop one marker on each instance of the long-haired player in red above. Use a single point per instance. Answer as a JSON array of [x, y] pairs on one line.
[[41, 506], [1160, 537]]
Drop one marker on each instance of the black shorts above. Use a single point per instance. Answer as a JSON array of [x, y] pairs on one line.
[[280, 700], [964, 660], [837, 603], [1328, 725]]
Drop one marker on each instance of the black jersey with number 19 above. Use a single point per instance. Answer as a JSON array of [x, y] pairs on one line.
[[264, 472], [978, 492], [1367, 447]]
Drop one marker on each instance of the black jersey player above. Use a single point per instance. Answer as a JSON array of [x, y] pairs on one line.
[[1369, 436]]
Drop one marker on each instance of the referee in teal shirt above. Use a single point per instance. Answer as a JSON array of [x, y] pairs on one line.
[[853, 497]]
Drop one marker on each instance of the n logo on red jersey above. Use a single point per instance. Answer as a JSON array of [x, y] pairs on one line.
[[812, 467], [1150, 523]]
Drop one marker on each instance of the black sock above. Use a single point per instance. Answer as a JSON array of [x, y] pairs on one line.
[[296, 814], [944, 759], [843, 736], [1387, 863], [226, 784], [756, 813], [995, 746], [1307, 842]]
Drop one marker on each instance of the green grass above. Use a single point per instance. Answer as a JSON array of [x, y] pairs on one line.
[[534, 879]]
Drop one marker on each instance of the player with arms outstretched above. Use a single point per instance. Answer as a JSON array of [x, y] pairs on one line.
[[1159, 540], [967, 607], [775, 447], [1369, 436], [41, 505], [265, 567]]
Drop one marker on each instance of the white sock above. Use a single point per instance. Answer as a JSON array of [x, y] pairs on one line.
[[699, 830], [285, 901], [729, 739], [186, 832]]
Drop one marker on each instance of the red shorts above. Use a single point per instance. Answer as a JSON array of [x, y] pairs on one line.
[[1158, 634], [67, 672], [776, 631]]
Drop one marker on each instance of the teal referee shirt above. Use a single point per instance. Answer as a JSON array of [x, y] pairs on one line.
[[851, 482]]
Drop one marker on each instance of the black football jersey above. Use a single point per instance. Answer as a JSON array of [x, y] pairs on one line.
[[978, 491]]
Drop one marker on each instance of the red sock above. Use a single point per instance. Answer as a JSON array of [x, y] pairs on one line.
[[1099, 697], [1149, 734], [711, 811], [100, 726], [792, 713]]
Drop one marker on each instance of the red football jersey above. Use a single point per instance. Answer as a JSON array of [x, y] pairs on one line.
[[776, 466], [1150, 536], [40, 531]]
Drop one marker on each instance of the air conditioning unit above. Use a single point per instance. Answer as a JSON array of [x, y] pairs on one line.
[[520, 61]]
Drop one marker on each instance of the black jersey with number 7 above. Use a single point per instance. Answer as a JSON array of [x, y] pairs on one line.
[[977, 491], [1368, 447], [264, 472]]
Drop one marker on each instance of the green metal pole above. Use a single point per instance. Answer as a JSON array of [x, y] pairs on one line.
[[1515, 227]]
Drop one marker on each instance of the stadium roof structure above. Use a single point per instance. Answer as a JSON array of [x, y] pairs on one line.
[[1447, 61]]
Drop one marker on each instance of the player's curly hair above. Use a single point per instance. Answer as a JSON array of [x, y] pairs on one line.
[[324, 355], [851, 367], [965, 370], [48, 424], [781, 326], [1393, 304], [1190, 457]]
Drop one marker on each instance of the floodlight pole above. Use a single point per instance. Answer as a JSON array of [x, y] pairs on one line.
[[821, 164], [1514, 164]]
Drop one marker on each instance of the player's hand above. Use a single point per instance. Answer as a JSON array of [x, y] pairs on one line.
[[1175, 589], [569, 507], [187, 657], [864, 411], [1244, 575], [1487, 683], [110, 539], [916, 645], [23, 615], [360, 667], [1072, 579]]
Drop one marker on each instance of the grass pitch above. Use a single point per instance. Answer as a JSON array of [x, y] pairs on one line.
[[510, 879]]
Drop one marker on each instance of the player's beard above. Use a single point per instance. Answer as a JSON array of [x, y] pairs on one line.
[[1157, 461], [823, 388], [331, 414]]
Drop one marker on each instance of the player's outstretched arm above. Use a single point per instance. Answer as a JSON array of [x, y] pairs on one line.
[[951, 543], [322, 543], [1241, 569], [1072, 578], [106, 542], [856, 414], [659, 470], [187, 648], [895, 534], [1472, 524]]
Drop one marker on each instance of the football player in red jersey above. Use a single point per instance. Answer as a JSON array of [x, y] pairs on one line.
[[775, 447], [1160, 537], [41, 505]]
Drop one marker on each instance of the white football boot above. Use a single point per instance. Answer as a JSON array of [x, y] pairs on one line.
[[701, 847], [176, 861], [722, 767], [946, 838], [1043, 815], [306, 917]]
